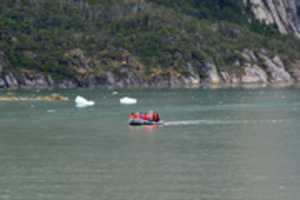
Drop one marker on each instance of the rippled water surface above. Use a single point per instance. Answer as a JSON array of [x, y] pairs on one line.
[[215, 144]]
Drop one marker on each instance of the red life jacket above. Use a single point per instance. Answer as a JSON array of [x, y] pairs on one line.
[[146, 117], [134, 116]]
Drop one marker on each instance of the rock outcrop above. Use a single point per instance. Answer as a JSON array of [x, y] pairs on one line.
[[276, 69], [253, 74], [210, 71], [294, 70], [262, 68], [282, 13], [11, 80]]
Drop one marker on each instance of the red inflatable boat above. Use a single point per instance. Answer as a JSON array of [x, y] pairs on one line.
[[147, 119]]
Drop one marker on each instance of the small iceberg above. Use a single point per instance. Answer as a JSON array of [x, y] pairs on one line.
[[128, 101], [115, 92], [82, 102]]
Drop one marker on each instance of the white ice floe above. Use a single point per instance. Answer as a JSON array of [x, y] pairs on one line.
[[81, 102], [128, 101], [115, 92]]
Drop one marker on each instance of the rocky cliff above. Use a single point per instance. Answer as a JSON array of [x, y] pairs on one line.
[[282, 13]]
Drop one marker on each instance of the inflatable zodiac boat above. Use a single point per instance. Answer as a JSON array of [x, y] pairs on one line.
[[148, 119]]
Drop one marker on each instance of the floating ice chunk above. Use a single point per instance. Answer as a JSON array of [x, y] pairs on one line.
[[115, 92], [128, 101], [82, 102], [282, 187]]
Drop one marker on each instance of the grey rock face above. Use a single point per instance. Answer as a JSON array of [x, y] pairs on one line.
[[249, 56], [174, 81], [211, 72], [254, 74], [231, 78], [193, 79], [2, 83], [225, 77], [283, 13], [28, 83], [66, 84], [129, 78], [295, 70], [159, 82], [110, 78], [296, 74], [276, 69], [41, 81], [183, 82], [33, 80], [191, 82], [50, 80], [11, 81], [124, 78]]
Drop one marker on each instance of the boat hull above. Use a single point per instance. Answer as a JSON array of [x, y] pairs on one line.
[[140, 122]]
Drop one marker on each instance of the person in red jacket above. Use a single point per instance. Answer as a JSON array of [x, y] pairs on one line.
[[134, 115], [156, 117], [150, 116], [153, 116]]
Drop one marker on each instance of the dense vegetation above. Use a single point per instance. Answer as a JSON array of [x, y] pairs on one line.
[[38, 34]]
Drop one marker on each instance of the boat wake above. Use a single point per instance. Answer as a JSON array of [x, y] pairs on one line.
[[221, 122]]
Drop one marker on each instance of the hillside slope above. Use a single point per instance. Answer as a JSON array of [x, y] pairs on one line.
[[149, 43]]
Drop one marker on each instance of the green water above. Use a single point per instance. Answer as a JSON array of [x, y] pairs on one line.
[[216, 144]]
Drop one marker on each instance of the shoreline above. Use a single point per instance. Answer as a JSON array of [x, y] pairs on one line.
[[161, 87]]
